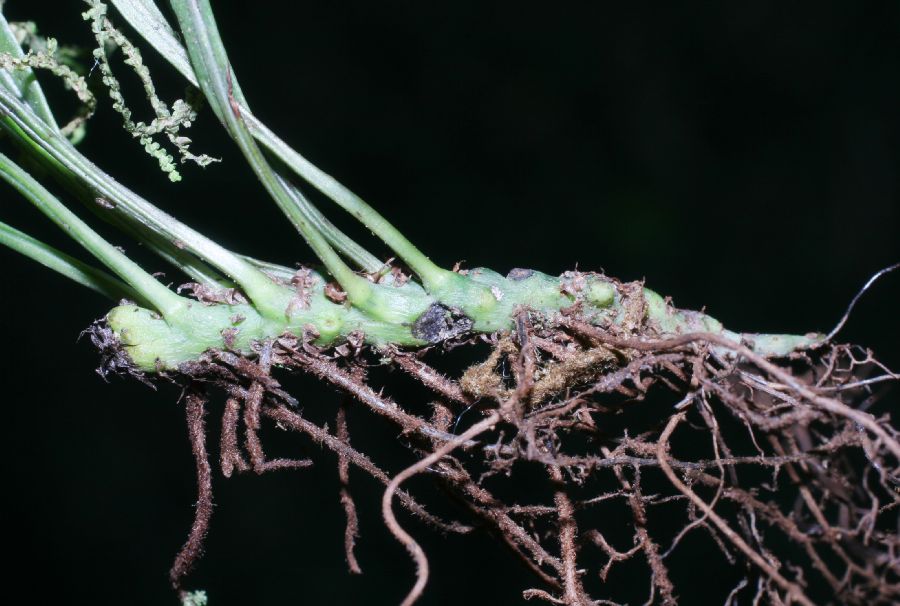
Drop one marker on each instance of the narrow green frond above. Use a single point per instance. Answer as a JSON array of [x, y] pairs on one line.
[[162, 299], [431, 274], [218, 83], [70, 267], [341, 241], [269, 297], [168, 121], [145, 17]]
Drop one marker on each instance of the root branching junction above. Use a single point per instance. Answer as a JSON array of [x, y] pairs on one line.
[[632, 445]]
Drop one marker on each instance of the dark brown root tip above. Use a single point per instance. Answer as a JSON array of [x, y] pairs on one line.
[[351, 529], [195, 402]]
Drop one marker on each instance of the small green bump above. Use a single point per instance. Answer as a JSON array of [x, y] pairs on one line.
[[487, 301], [600, 293], [329, 327], [712, 325], [656, 305]]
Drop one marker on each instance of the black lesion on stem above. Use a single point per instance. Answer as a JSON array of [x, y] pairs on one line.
[[439, 323]]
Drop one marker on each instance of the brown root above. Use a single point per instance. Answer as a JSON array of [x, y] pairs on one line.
[[633, 446], [351, 531], [195, 403]]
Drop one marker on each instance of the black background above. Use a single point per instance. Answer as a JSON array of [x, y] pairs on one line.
[[741, 156]]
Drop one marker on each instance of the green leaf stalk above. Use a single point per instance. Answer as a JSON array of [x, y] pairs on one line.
[[355, 296]]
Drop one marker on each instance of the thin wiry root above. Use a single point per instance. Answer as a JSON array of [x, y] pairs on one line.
[[574, 592], [229, 452], [253, 404], [351, 530], [794, 593], [633, 437], [387, 509], [195, 411], [291, 420]]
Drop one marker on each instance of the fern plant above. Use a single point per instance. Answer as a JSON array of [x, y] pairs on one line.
[[567, 351]]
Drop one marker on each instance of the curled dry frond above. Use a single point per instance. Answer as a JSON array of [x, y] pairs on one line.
[[45, 54], [45, 58], [168, 121]]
